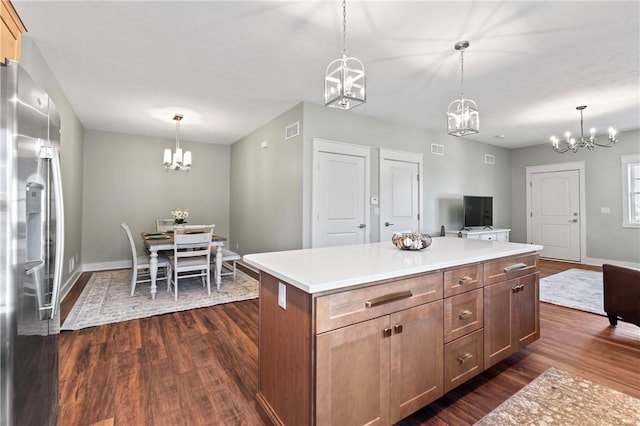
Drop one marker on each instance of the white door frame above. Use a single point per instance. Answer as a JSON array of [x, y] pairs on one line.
[[409, 157], [560, 167], [323, 145]]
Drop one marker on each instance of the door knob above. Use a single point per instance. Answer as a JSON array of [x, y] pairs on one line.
[[362, 225], [573, 221], [388, 224]]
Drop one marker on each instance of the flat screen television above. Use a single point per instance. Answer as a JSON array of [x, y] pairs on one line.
[[477, 211]]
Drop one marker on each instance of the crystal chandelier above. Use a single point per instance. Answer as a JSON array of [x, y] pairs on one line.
[[344, 81], [178, 160], [462, 115], [571, 144]]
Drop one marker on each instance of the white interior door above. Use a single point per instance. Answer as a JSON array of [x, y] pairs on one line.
[[340, 194], [399, 197], [555, 218]]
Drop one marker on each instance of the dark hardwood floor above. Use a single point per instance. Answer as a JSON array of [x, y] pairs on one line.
[[199, 367]]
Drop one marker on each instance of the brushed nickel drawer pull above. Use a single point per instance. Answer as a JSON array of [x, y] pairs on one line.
[[517, 288], [464, 358], [465, 314], [386, 332], [515, 267], [464, 280], [387, 298], [397, 328]]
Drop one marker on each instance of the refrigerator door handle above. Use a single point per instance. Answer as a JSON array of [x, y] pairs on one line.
[[57, 186]]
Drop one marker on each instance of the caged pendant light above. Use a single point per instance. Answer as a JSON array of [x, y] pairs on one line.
[[344, 81], [462, 116], [178, 160]]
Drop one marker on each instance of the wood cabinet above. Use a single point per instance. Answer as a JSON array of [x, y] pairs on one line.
[[511, 317], [381, 370], [375, 353], [11, 29]]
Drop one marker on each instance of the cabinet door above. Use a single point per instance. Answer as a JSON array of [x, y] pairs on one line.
[[352, 375], [416, 358], [498, 322], [527, 310]]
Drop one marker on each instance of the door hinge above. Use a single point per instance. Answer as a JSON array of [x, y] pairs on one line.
[[418, 216], [418, 177], [530, 214], [530, 184]]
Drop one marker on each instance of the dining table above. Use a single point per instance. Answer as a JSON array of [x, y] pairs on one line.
[[158, 241]]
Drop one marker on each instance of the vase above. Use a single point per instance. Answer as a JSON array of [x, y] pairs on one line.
[[180, 222]]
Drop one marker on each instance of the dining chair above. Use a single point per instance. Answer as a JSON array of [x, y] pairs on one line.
[[164, 225], [227, 256], [140, 265], [212, 226], [194, 262]]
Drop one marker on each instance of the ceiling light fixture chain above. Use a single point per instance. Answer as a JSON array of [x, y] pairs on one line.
[[571, 144], [344, 81], [177, 160], [463, 117]]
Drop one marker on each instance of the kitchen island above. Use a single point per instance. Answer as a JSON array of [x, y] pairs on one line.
[[368, 334]]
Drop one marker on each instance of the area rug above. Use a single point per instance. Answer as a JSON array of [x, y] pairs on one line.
[[106, 298], [574, 288], [560, 398]]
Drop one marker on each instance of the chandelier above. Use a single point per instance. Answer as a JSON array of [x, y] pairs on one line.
[[178, 160], [462, 115], [571, 144], [344, 81]]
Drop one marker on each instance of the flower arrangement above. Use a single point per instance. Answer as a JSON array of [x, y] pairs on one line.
[[180, 216]]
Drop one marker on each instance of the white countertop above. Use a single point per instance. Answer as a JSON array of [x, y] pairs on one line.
[[331, 268]]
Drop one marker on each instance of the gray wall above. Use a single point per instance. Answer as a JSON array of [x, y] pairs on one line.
[[266, 188], [606, 238], [124, 180], [71, 151], [461, 171]]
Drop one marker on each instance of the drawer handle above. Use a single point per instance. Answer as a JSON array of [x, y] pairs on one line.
[[397, 328], [518, 288], [386, 332], [464, 358], [465, 314], [387, 298], [464, 280], [515, 267]]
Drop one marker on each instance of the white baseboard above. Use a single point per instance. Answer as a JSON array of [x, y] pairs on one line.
[[68, 285], [600, 262], [105, 266]]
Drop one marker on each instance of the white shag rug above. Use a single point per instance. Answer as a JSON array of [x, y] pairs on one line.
[[106, 298], [574, 288]]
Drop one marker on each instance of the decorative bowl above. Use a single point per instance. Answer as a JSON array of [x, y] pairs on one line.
[[411, 240]]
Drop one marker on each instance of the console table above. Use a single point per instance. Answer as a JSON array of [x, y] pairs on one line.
[[368, 334], [495, 234]]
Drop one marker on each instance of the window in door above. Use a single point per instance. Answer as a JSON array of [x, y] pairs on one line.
[[631, 191]]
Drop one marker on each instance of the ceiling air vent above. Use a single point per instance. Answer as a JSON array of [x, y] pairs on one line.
[[292, 130], [489, 159], [437, 149]]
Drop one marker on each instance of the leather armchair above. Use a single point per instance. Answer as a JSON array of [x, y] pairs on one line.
[[621, 294]]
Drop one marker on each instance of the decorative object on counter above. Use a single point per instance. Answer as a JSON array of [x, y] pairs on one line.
[[344, 81], [463, 117], [571, 144], [179, 160], [411, 240], [180, 216], [442, 233]]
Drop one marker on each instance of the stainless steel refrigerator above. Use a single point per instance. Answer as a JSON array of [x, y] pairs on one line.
[[31, 250]]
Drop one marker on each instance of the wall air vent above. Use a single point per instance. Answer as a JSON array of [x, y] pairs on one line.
[[437, 149], [292, 130], [489, 159]]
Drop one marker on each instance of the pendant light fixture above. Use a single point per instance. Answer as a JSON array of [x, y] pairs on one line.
[[178, 160], [344, 81], [462, 116], [571, 144]]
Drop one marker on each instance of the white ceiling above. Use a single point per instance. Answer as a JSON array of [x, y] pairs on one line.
[[232, 66]]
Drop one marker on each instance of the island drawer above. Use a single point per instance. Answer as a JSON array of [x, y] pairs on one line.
[[512, 267], [352, 306], [462, 279], [463, 314], [463, 359]]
